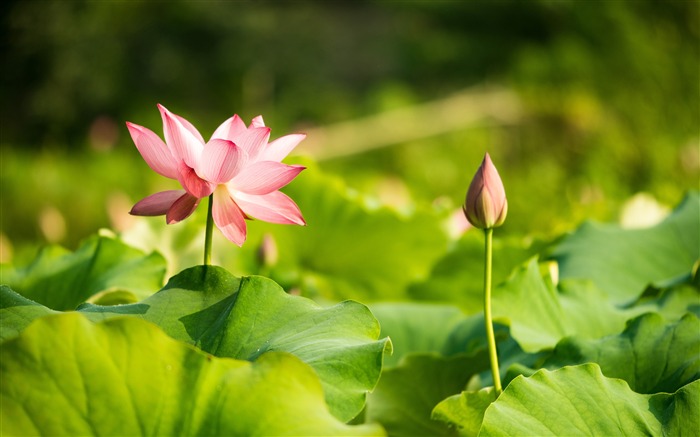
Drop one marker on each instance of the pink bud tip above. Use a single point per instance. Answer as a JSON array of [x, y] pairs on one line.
[[486, 205]]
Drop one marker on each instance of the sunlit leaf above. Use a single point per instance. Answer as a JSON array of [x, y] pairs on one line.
[[465, 410], [351, 248], [469, 336], [62, 280], [622, 262], [673, 301], [540, 314], [406, 394], [579, 400], [245, 317], [67, 376], [421, 328], [651, 354], [416, 327], [458, 277], [17, 312]]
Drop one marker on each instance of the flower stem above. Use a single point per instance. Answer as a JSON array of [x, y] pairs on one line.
[[207, 237], [493, 355]]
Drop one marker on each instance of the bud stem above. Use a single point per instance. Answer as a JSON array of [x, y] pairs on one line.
[[491, 339], [208, 232]]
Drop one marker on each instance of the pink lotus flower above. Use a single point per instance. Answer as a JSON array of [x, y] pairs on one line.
[[237, 166], [486, 205]]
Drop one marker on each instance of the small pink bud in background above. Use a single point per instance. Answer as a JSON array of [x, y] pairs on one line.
[[267, 252], [486, 205]]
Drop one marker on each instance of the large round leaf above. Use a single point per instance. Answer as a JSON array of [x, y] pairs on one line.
[[406, 394], [17, 312], [465, 410], [579, 400], [651, 354], [576, 400], [244, 317], [540, 314], [622, 262], [416, 327], [458, 277], [61, 280], [419, 328], [67, 376]]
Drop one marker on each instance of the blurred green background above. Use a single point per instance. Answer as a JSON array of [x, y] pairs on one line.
[[581, 104]]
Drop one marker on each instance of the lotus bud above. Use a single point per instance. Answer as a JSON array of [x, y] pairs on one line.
[[486, 205], [267, 252]]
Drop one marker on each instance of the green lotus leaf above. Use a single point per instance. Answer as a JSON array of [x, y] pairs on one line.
[[652, 355], [352, 248], [465, 410], [458, 276], [406, 394], [622, 262], [416, 327], [67, 376], [61, 280], [579, 400], [17, 312], [422, 328], [671, 302], [540, 314], [243, 318], [469, 336]]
